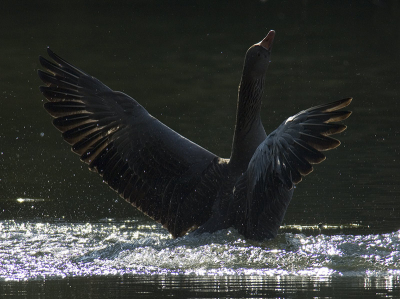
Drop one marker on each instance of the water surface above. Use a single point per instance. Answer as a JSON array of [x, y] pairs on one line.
[[144, 256]]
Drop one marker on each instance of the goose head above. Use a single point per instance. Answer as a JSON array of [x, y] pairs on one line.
[[258, 57]]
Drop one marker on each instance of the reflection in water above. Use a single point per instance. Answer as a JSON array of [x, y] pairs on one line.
[[163, 286], [143, 254]]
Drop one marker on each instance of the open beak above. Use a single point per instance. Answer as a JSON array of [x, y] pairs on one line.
[[268, 40]]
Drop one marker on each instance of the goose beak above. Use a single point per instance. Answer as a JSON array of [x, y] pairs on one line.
[[268, 40]]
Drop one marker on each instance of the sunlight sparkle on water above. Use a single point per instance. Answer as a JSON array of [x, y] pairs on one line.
[[31, 250]]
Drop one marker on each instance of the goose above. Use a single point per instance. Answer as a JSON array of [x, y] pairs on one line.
[[173, 180]]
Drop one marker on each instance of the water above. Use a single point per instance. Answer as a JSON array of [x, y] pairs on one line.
[[141, 254], [34, 250], [64, 234]]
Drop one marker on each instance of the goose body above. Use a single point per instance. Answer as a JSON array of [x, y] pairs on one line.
[[177, 182]]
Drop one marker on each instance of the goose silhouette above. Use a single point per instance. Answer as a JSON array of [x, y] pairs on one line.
[[177, 182]]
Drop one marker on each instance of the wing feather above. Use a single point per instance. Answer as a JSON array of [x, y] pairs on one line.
[[154, 168], [264, 191]]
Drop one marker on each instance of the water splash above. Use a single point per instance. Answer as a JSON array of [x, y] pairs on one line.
[[35, 250]]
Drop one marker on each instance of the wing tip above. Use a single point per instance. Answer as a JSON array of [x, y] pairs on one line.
[[50, 52], [43, 76], [337, 105]]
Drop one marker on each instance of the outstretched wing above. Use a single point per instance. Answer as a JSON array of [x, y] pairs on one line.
[[264, 191], [147, 163]]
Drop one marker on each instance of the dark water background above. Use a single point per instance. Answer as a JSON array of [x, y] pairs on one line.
[[182, 61]]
